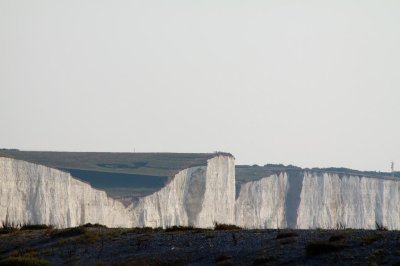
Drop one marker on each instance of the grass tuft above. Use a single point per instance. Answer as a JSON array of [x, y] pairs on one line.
[[69, 232], [8, 227]]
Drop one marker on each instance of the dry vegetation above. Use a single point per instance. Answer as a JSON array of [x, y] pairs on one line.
[[94, 244]]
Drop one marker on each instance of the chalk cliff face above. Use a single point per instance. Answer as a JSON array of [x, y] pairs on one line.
[[35, 194], [306, 200], [198, 196], [201, 195]]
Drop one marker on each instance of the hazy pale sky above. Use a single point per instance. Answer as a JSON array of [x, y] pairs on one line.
[[310, 83]]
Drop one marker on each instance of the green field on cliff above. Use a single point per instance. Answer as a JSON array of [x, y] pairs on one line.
[[152, 164], [119, 174]]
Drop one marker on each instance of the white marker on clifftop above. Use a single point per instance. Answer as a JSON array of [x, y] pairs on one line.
[[392, 168]]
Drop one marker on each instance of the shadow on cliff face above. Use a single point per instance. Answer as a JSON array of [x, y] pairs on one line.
[[295, 184], [195, 194]]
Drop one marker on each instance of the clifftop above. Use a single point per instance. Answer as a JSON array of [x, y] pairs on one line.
[[245, 173], [154, 164], [119, 174]]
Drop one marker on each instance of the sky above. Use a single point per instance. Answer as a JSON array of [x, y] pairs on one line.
[[308, 83]]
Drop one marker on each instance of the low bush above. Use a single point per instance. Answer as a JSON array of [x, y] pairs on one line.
[[286, 235], [24, 261], [36, 227], [222, 259], [4, 231], [140, 230], [322, 247], [179, 228], [367, 240], [381, 227], [218, 226], [265, 260], [89, 225], [341, 226], [337, 237], [8, 227]]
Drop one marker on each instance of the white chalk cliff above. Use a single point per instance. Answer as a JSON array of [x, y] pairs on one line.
[[307, 200], [201, 195], [35, 194], [198, 196]]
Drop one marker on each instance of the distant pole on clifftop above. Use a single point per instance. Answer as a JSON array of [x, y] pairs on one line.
[[392, 167]]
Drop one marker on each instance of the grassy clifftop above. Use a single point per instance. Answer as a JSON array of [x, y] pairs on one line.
[[248, 173], [119, 174], [153, 164]]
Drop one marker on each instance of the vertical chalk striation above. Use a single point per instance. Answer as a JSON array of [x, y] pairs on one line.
[[309, 200]]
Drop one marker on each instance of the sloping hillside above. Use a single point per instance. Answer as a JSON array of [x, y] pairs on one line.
[[119, 174]]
